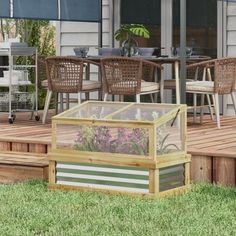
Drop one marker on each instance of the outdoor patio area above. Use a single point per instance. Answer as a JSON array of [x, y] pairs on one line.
[[212, 149]]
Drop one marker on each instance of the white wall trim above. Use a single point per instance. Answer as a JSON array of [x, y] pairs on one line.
[[58, 38]]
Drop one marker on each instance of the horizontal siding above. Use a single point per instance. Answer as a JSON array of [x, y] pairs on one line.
[[231, 26], [81, 27], [79, 34], [88, 39], [231, 9], [230, 48], [231, 29]]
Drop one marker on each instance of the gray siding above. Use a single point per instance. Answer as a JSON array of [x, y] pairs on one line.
[[230, 47], [231, 29], [79, 34]]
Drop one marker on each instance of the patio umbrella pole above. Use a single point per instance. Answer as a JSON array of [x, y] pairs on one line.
[[182, 83], [100, 27]]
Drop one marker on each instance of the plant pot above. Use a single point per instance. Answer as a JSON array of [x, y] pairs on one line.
[[130, 47]]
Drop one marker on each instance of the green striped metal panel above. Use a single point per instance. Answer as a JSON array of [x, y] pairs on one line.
[[171, 177], [103, 177]]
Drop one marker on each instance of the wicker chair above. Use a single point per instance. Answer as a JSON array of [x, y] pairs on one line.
[[65, 75], [170, 83], [41, 70], [123, 76], [218, 79]]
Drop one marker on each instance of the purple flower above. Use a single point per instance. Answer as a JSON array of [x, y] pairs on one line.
[[114, 140]]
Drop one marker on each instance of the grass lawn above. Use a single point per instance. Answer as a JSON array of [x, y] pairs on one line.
[[31, 209]]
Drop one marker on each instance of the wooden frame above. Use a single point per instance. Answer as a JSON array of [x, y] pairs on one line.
[[155, 173]]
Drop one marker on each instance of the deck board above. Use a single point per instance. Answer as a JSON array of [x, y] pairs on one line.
[[213, 150], [206, 138], [202, 138]]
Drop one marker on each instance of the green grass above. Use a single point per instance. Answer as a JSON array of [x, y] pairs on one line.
[[31, 209]]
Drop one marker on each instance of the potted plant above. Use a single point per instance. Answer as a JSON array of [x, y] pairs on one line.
[[126, 35]]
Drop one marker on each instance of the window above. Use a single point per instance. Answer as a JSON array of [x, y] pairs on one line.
[[147, 13], [201, 26]]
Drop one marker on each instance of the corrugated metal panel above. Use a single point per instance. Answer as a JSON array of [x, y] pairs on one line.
[[104, 177], [171, 177]]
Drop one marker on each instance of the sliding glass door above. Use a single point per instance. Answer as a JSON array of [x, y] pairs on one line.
[[143, 12], [201, 26]]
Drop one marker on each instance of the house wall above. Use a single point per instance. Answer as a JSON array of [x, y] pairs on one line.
[[79, 34], [230, 46]]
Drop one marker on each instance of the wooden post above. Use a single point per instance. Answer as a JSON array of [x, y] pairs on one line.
[[187, 173], [20, 147], [5, 146], [201, 169], [224, 171], [153, 142], [52, 172], [38, 148], [154, 182]]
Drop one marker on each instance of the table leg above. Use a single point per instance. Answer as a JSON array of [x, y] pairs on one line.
[[155, 95], [177, 88], [87, 70], [161, 87]]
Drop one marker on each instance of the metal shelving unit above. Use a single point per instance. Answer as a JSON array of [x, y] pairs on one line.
[[15, 100]]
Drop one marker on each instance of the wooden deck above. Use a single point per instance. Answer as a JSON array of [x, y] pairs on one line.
[[213, 150], [24, 135], [206, 139]]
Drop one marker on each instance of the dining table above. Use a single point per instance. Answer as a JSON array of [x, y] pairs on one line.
[[162, 60]]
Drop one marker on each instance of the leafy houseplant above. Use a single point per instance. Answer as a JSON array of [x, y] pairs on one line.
[[126, 35]]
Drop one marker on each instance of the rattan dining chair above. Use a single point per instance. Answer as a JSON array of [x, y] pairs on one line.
[[65, 75], [218, 79], [192, 73], [125, 76]]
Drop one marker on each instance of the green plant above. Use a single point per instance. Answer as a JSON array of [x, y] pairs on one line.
[[36, 33], [30, 208], [127, 33]]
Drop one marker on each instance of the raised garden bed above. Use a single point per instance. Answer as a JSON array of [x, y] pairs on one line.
[[120, 147]]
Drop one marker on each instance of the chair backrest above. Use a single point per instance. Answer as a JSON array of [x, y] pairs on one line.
[[121, 75], [64, 74], [41, 68], [109, 51], [225, 75]]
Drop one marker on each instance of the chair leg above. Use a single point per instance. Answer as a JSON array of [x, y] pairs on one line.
[[67, 101], [138, 98], [46, 105], [105, 97], [216, 96], [61, 102], [202, 108], [214, 103], [79, 98], [87, 96], [194, 107], [152, 98], [234, 101], [210, 105], [56, 102]]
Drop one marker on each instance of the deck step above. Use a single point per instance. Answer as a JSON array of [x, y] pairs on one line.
[[19, 166]]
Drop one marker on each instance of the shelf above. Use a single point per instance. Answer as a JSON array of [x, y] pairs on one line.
[[15, 76]]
